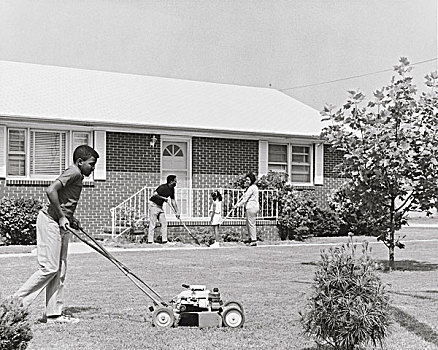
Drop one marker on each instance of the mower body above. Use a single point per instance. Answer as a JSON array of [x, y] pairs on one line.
[[199, 307]]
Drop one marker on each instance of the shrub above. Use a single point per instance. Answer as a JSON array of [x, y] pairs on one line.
[[204, 235], [301, 217], [349, 305], [17, 220], [325, 223], [232, 235], [15, 331]]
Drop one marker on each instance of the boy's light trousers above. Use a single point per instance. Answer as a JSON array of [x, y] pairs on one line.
[[52, 246], [156, 213]]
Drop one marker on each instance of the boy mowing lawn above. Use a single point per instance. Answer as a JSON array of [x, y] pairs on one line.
[[53, 236]]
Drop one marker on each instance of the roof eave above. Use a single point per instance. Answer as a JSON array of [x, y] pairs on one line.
[[152, 128]]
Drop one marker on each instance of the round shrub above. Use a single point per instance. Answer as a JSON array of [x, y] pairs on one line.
[[349, 305], [325, 223], [301, 217], [18, 220], [15, 331]]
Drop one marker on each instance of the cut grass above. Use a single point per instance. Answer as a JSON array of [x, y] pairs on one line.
[[272, 283]]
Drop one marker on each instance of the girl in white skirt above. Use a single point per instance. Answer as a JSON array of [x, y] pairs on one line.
[[215, 213]]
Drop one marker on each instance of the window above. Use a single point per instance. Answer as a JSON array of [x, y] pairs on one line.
[[300, 165], [16, 152], [295, 160], [42, 154], [47, 156], [277, 158], [173, 151]]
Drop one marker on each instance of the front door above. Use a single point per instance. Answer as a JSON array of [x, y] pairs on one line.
[[175, 160]]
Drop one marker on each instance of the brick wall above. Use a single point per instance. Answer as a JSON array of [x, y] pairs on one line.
[[267, 231], [212, 180], [133, 164], [129, 152], [323, 193], [224, 156], [331, 159]]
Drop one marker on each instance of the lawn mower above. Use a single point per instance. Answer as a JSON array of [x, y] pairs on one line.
[[195, 306]]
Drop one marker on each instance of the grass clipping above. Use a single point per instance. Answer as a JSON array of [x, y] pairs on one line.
[[349, 305]]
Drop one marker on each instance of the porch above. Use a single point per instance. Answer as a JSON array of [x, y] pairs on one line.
[[194, 204]]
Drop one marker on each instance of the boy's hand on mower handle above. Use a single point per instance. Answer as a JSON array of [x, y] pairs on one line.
[[63, 223], [75, 224]]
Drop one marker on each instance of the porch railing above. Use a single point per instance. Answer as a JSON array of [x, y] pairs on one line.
[[193, 203]]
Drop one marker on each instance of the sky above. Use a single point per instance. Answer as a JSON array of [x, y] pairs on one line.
[[308, 49]]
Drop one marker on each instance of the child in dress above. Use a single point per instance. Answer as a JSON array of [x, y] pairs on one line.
[[215, 213]]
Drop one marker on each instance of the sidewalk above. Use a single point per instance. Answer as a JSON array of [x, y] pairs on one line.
[[426, 234], [428, 231]]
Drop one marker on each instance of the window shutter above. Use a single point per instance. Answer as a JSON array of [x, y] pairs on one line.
[[100, 147], [319, 164], [263, 158], [3, 151]]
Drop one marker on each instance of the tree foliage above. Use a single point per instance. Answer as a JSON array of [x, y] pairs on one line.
[[390, 146]]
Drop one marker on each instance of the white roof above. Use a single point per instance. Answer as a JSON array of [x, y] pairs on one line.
[[107, 98]]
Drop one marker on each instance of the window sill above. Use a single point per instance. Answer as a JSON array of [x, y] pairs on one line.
[[36, 182], [304, 186]]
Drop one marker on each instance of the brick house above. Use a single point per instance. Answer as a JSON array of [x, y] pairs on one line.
[[147, 127]]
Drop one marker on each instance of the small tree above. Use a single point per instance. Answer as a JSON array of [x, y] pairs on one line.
[[390, 148]]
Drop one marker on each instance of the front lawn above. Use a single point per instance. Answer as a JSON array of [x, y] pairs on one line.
[[272, 283]]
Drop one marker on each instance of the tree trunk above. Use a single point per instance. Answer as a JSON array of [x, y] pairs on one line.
[[391, 253], [391, 235]]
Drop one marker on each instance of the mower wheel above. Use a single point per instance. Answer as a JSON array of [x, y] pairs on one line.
[[235, 304], [233, 317], [163, 317]]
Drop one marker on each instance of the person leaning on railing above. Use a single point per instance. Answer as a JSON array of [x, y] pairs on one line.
[[250, 201]]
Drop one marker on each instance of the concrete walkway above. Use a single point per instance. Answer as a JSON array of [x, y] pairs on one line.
[[81, 248]]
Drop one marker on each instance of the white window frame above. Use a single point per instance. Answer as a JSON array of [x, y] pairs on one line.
[[311, 165], [69, 134], [270, 163], [9, 152], [289, 146]]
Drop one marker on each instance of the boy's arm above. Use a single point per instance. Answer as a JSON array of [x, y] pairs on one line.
[[155, 194], [175, 207], [52, 193]]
